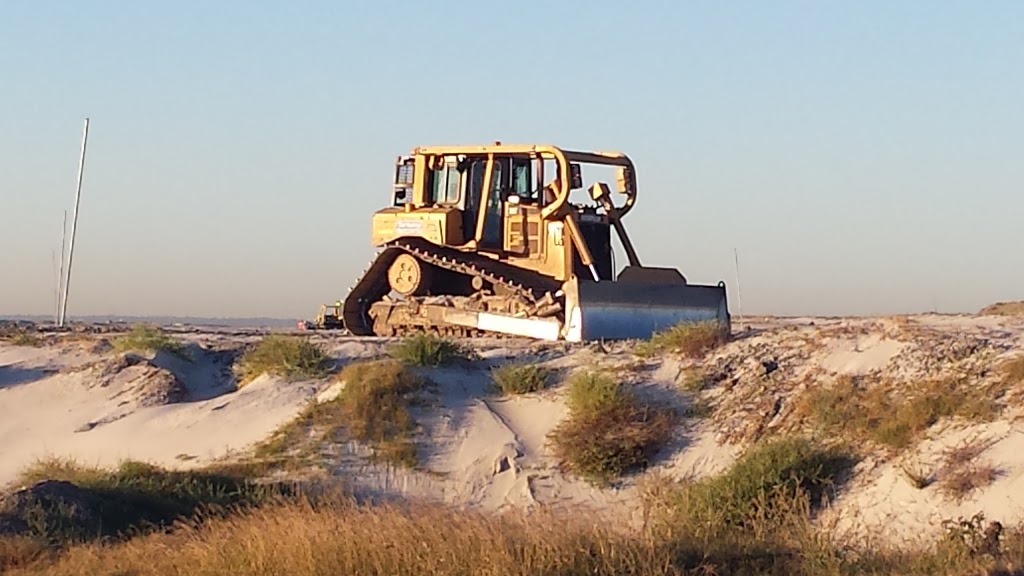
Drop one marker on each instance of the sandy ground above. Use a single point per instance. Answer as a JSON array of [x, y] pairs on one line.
[[77, 400]]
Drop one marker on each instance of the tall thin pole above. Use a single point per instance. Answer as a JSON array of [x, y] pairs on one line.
[[74, 224], [56, 288], [739, 290]]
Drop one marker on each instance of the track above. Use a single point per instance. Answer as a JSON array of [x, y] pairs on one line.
[[373, 285]]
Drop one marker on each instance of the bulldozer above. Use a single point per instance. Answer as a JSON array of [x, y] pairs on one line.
[[477, 241]]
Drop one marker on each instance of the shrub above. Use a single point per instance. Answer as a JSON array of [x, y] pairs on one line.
[[134, 497], [423, 349], [520, 378], [691, 339], [146, 338], [375, 405], [763, 488], [291, 357], [609, 432], [373, 408]]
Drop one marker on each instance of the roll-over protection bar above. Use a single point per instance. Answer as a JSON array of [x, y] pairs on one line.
[[626, 177]]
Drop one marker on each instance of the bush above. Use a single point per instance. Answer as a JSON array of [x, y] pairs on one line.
[[22, 338], [594, 392], [423, 349], [520, 378], [691, 339], [291, 357], [609, 432], [772, 485], [134, 497], [146, 338]]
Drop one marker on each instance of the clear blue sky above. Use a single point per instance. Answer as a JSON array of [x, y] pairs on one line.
[[864, 157]]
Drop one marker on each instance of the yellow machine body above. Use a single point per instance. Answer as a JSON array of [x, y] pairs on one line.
[[485, 239]]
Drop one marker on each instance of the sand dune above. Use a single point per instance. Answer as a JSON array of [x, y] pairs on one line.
[[480, 450]]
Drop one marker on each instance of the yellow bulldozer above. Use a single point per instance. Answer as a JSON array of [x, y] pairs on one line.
[[484, 240]]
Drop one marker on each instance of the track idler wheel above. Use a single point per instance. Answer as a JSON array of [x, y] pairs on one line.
[[409, 276]]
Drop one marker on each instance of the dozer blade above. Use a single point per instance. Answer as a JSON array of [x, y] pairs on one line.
[[636, 308]]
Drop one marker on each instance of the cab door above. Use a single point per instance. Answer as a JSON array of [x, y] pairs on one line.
[[494, 206]]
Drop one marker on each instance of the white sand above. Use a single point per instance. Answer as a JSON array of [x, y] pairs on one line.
[[39, 418]]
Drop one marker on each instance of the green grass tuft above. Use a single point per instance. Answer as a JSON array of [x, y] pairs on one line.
[[771, 480], [609, 431], [376, 403], [132, 498], [425, 349], [520, 378], [291, 357], [690, 339], [146, 338]]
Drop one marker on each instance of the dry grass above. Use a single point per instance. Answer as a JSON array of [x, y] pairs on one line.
[[291, 357], [1003, 309], [1012, 370], [609, 432], [894, 417], [307, 540], [690, 339], [918, 476], [694, 381], [962, 473], [754, 519], [520, 378], [959, 483]]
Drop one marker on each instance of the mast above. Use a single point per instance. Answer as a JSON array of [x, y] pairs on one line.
[[74, 224]]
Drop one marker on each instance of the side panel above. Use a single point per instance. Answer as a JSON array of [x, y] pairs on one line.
[[438, 225]]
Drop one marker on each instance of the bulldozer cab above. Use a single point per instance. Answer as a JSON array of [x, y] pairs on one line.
[[512, 202]]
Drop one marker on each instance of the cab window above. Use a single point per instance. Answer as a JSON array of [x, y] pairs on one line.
[[444, 185]]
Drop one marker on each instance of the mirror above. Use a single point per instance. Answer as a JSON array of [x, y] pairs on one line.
[[576, 176]]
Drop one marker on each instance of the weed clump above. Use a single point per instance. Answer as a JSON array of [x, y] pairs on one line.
[[146, 338], [425, 349], [520, 378], [893, 418], [609, 431], [771, 485], [376, 406], [690, 339], [291, 357], [21, 337]]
